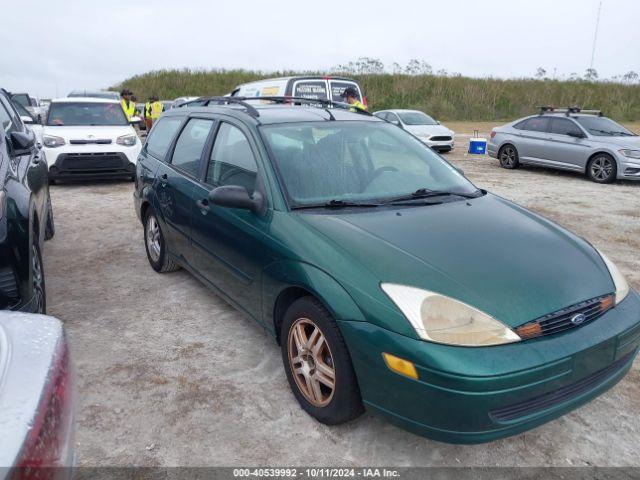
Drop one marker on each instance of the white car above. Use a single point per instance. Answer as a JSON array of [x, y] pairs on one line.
[[89, 138], [421, 125]]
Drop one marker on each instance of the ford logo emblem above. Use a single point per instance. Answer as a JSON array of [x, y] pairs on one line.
[[578, 319]]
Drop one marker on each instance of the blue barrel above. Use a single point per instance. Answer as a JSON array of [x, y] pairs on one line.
[[478, 146]]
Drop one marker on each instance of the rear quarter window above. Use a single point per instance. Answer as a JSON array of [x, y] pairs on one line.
[[162, 135], [313, 89], [337, 89]]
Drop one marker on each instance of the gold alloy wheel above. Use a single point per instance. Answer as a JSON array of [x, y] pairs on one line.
[[311, 362]]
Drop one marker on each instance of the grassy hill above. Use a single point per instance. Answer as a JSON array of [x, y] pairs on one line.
[[446, 98]]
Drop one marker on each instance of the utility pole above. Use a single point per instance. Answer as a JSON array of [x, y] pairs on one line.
[[595, 36]]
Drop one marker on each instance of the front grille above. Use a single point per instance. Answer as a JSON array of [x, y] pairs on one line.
[[91, 162], [8, 284], [440, 139], [100, 141], [560, 395], [567, 318]]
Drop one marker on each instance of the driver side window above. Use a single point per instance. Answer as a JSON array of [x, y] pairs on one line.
[[232, 161]]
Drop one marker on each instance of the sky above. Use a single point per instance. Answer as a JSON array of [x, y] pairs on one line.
[[49, 48]]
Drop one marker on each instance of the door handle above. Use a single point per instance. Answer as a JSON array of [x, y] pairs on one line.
[[203, 205]]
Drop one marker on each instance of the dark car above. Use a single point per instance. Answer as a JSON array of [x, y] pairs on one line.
[[389, 279], [26, 215]]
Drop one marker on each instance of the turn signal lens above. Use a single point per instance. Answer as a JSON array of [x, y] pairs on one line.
[[398, 365], [606, 303], [529, 330]]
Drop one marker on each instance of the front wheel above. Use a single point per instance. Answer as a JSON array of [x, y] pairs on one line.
[[508, 156], [156, 246], [37, 280], [318, 364], [602, 168]]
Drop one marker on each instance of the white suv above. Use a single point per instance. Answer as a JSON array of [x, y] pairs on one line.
[[89, 138]]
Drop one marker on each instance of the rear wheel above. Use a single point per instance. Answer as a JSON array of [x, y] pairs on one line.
[[156, 246], [508, 156], [318, 364], [602, 168]]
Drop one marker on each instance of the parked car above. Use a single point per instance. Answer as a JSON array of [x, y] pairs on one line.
[[31, 104], [312, 87], [26, 215], [418, 123], [569, 139], [388, 278], [107, 94], [37, 398], [89, 138]]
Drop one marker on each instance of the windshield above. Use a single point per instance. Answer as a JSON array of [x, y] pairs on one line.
[[416, 118], [356, 161], [85, 113], [603, 127]]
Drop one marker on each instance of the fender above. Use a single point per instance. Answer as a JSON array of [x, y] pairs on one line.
[[284, 274]]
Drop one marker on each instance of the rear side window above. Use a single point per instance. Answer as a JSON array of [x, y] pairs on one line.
[[337, 89], [22, 99], [314, 89], [162, 135], [5, 119], [7, 115], [536, 124], [562, 126], [232, 161], [189, 146]]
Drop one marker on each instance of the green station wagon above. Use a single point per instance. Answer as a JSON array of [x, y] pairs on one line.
[[389, 280]]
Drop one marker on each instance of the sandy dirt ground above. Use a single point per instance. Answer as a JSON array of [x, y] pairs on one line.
[[168, 374]]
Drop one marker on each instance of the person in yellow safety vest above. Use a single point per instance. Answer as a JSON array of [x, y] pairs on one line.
[[128, 106], [351, 96], [155, 108]]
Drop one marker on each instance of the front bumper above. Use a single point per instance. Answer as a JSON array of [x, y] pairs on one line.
[[92, 161], [475, 395], [439, 145], [628, 168]]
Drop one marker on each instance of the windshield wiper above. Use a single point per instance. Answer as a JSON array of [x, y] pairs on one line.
[[426, 193], [336, 204]]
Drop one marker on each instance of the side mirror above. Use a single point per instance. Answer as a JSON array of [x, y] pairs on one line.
[[135, 120], [22, 142], [396, 123], [27, 120], [575, 134], [235, 196]]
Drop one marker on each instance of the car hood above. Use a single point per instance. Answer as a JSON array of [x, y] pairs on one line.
[[90, 132], [422, 130], [632, 143], [486, 252]]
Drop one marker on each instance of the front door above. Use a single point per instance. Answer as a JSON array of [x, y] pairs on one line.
[[565, 149], [230, 246]]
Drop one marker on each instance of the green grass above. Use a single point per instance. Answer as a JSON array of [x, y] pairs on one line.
[[446, 98]]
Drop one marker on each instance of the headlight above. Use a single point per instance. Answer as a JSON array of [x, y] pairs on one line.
[[441, 319], [630, 153], [52, 141], [127, 140], [622, 287]]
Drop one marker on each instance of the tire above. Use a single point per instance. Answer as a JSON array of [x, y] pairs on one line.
[[156, 246], [37, 279], [50, 227], [308, 369], [508, 156], [602, 168]]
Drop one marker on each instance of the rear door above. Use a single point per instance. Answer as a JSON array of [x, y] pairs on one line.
[[531, 138], [174, 184], [337, 88]]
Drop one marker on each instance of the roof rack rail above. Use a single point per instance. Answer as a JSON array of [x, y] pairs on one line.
[[567, 110], [206, 101], [251, 110]]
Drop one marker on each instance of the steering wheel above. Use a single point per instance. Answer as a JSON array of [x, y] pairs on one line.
[[378, 171]]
